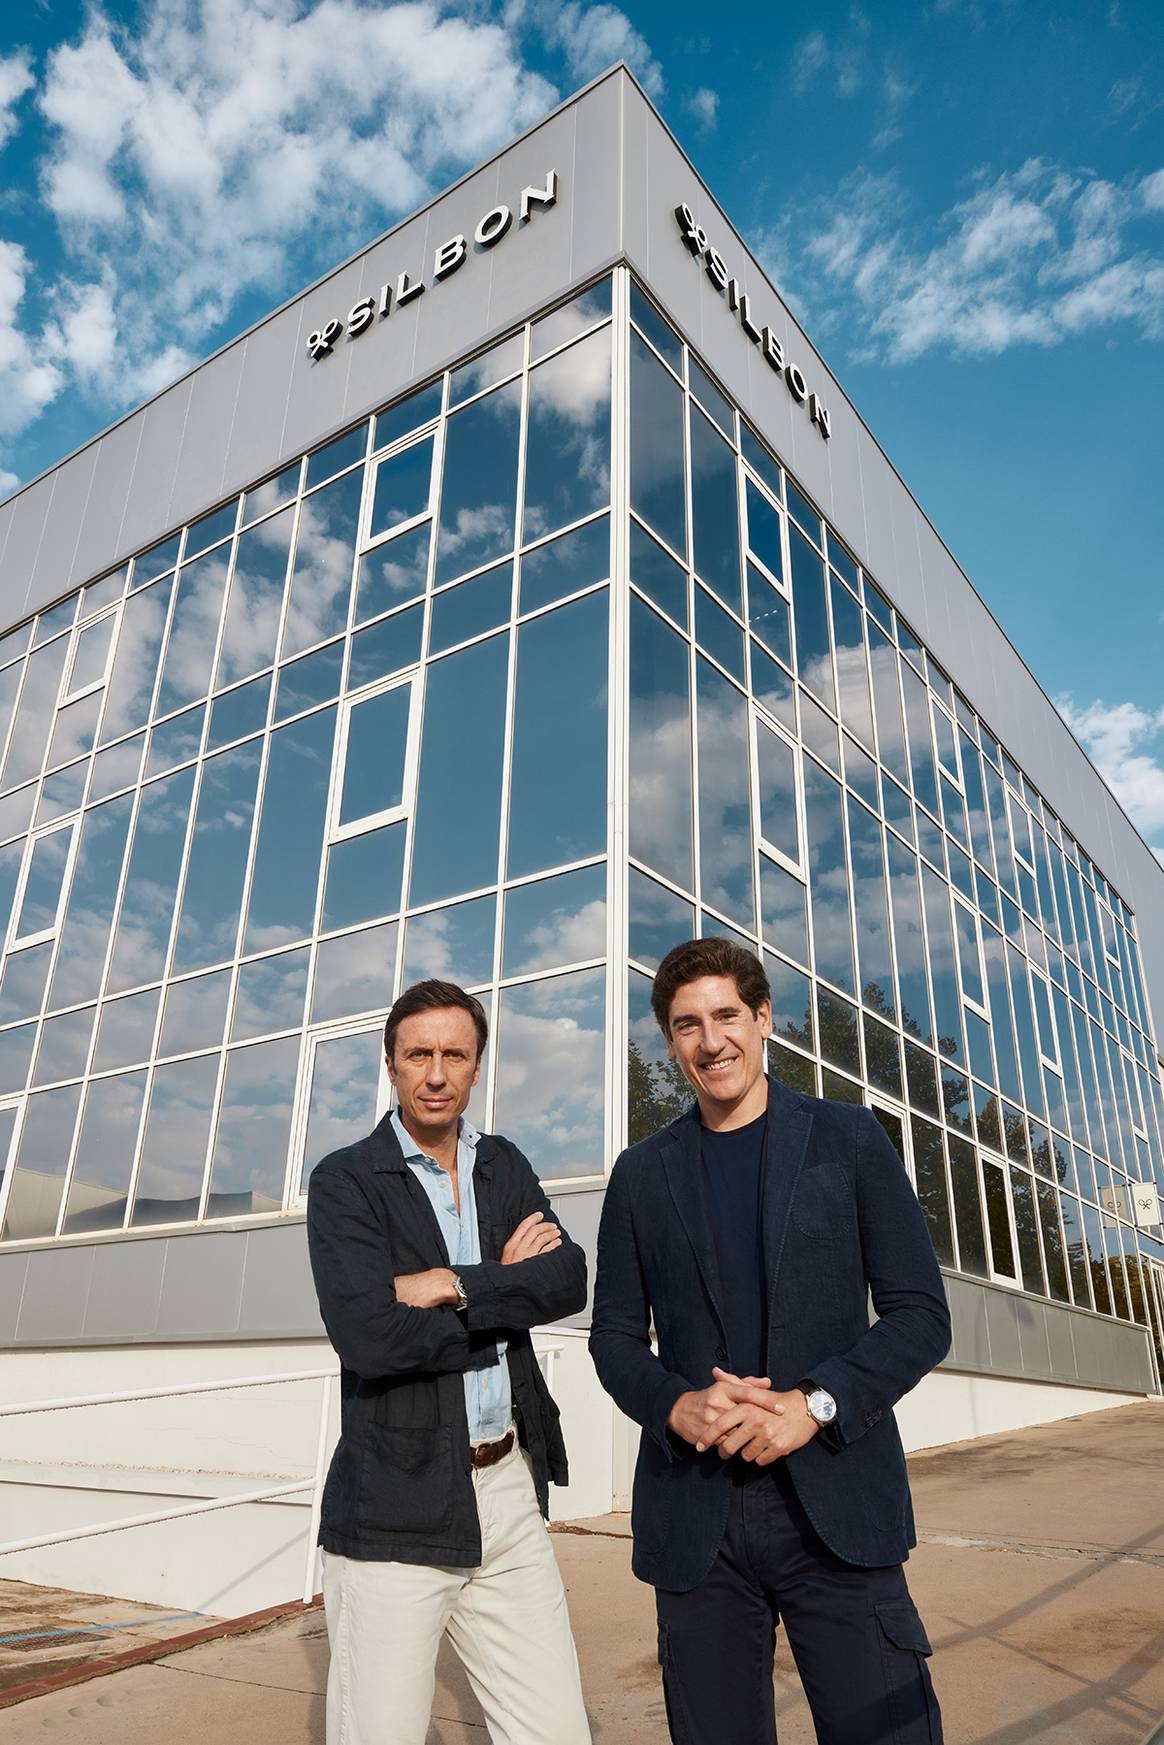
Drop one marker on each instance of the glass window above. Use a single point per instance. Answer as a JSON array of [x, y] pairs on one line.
[[270, 995], [969, 954], [1053, 1250], [715, 517], [364, 877], [321, 578], [559, 720], [725, 833], [647, 318], [408, 414], [943, 969], [660, 747], [189, 657], [768, 615], [176, 741], [487, 369], [209, 529], [157, 559], [336, 455], [106, 1146], [779, 819], [92, 896], [561, 920], [64, 1046], [15, 1058], [173, 1151], [195, 1014], [143, 932], [1076, 1250], [238, 713], [574, 317], [772, 687], [763, 530], [810, 606], [458, 800], [792, 1016], [15, 817], [658, 919], [354, 973], [968, 1209], [783, 907], [272, 493], [921, 1079], [46, 1140], [471, 608], [479, 494], [454, 944], [305, 683], [930, 1176], [91, 655], [57, 618], [819, 732], [550, 1049], [998, 1219], [345, 1083], [131, 683], [910, 942], [840, 1042], [656, 574], [61, 793], [125, 1034], [715, 404], [656, 447], [254, 1129], [955, 1097], [874, 951], [255, 601], [43, 884], [393, 572], [803, 511], [882, 1057], [403, 487], [760, 461], [852, 670], [212, 898], [828, 880], [9, 686], [917, 713], [657, 1092], [567, 464], [34, 716], [887, 704], [718, 633], [290, 834], [575, 561], [375, 747]]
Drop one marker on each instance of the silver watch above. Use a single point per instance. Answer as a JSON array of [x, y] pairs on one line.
[[463, 1296], [821, 1406]]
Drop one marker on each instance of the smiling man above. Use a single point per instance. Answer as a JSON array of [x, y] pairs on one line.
[[434, 1252], [771, 1484]]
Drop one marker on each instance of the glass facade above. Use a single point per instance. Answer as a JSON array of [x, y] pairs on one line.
[[384, 716]]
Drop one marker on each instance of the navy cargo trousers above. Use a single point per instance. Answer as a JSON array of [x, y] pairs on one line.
[[855, 1635]]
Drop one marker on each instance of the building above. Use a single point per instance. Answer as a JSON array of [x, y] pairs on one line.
[[524, 596]]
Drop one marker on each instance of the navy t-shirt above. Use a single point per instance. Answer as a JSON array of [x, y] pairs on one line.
[[734, 1166]]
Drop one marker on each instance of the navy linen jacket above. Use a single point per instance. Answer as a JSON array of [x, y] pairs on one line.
[[400, 1486], [840, 1223]]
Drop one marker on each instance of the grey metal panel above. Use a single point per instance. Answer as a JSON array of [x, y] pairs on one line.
[[125, 1290], [1006, 1355], [206, 442], [202, 1284], [1033, 1340], [148, 511], [29, 513], [54, 573], [278, 1296], [99, 547], [55, 1294], [260, 405], [317, 401], [1060, 1344], [971, 1344], [580, 1214], [13, 1272]]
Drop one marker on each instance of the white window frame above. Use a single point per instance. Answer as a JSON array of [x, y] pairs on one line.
[[980, 1006], [337, 832], [784, 588], [997, 1277], [68, 695], [295, 1194], [19, 941], [369, 541], [954, 774], [763, 721]]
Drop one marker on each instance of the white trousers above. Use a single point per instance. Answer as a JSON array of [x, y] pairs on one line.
[[506, 1619]]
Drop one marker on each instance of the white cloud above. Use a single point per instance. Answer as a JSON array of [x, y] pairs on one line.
[[704, 105], [16, 78], [1126, 744], [593, 37], [1032, 256], [8, 482], [27, 382]]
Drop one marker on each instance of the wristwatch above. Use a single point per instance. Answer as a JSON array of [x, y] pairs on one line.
[[821, 1405], [462, 1293]]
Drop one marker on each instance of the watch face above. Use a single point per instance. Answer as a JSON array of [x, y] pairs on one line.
[[823, 1407]]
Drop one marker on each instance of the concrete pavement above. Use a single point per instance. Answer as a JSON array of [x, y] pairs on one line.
[[1040, 1575]]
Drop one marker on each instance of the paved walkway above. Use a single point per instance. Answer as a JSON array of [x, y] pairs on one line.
[[1040, 1576]]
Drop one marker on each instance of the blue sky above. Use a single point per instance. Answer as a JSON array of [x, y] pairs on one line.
[[963, 201]]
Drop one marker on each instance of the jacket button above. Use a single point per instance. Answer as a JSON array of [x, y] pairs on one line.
[[720, 1354]]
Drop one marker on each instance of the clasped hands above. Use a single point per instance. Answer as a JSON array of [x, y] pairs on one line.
[[743, 1415], [435, 1289]]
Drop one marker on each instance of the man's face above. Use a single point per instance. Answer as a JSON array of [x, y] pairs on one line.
[[434, 1067], [717, 1042]]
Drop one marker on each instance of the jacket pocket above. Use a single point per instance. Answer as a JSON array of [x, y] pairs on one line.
[[407, 1480], [905, 1648], [822, 1206]]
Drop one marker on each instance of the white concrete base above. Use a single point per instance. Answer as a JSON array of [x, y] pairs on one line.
[[949, 1406]]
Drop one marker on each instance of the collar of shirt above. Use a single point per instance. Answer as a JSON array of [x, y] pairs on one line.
[[467, 1134]]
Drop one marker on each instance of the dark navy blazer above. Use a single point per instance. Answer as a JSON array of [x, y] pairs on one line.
[[841, 1223]]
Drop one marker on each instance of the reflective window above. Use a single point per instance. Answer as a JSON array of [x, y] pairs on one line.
[[559, 921], [125, 1033], [291, 825], [657, 574], [647, 318], [763, 530], [452, 945], [91, 655], [354, 972], [403, 487], [238, 713], [255, 601], [930, 1178], [147, 906], [715, 404], [550, 1044], [189, 657], [874, 951], [46, 1141], [305, 683], [715, 517], [106, 1145], [479, 493], [571, 319], [212, 899], [660, 747], [486, 370], [364, 875], [968, 1209], [832, 939], [810, 603], [783, 909], [458, 808], [910, 942], [393, 572], [346, 1073], [725, 837], [254, 1129], [772, 687], [336, 455], [173, 1150], [176, 741], [658, 919], [92, 896], [408, 414], [852, 669], [43, 884], [374, 753], [574, 561], [567, 465], [656, 447], [64, 1046], [321, 576], [559, 728], [270, 995], [195, 1013], [998, 1219], [34, 715], [471, 608], [23, 982], [779, 819]]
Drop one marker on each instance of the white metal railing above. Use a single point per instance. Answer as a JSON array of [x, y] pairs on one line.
[[546, 1358], [268, 1494]]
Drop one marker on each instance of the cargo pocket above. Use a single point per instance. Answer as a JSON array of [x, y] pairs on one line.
[[905, 1648], [678, 1720]]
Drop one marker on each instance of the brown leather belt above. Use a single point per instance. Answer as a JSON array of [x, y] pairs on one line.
[[489, 1453]]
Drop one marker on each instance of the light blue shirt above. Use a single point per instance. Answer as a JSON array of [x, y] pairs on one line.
[[488, 1396]]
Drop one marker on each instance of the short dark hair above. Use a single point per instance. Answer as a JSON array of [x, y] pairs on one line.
[[434, 996], [707, 957]]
